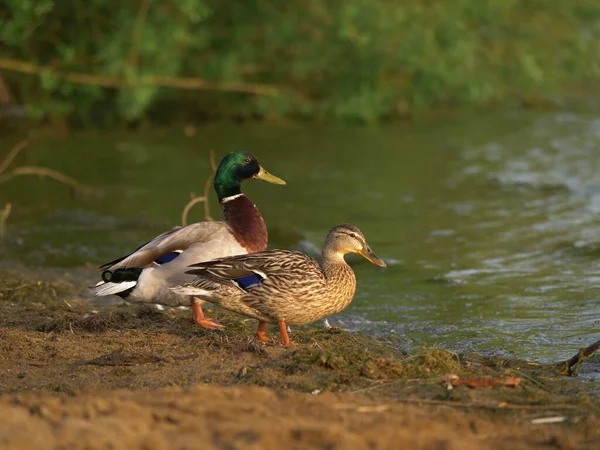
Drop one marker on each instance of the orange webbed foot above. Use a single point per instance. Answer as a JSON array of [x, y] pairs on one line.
[[285, 339], [261, 333], [204, 322], [209, 324]]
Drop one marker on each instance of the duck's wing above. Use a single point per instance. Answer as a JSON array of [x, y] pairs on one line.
[[170, 244], [273, 267]]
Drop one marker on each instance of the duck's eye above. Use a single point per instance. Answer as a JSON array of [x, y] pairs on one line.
[[353, 235], [247, 160]]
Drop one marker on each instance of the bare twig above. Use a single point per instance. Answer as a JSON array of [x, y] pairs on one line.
[[37, 364], [42, 172], [6, 97], [26, 170], [189, 205], [137, 29], [31, 170], [144, 80], [205, 197], [571, 366], [511, 381], [546, 420], [213, 163], [376, 385], [13, 154], [209, 181], [3, 218]]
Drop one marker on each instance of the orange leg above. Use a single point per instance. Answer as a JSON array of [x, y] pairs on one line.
[[261, 334], [285, 339], [201, 320]]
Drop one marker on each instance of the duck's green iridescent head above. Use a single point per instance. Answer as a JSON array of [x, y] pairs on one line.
[[237, 167]]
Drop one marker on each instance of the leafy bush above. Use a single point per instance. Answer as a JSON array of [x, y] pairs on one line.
[[357, 60]]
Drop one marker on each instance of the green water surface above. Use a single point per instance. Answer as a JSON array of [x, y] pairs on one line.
[[490, 225]]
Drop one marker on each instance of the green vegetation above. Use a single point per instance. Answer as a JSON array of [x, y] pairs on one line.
[[357, 60]]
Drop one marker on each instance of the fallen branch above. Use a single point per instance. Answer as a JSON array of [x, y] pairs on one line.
[[571, 366], [205, 197], [143, 80]]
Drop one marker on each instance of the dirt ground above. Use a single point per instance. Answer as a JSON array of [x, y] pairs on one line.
[[76, 376]]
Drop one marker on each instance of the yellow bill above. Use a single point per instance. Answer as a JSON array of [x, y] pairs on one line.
[[266, 176]]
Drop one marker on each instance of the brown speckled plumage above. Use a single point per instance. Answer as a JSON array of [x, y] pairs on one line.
[[287, 286]]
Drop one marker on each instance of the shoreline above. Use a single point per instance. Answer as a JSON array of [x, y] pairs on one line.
[[135, 377]]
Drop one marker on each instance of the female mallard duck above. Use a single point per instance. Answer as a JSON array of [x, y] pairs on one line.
[[282, 286], [146, 274]]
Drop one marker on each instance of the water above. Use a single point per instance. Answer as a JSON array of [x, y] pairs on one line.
[[490, 225]]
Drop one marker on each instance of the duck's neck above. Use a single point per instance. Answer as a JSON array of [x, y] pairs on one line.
[[341, 282], [247, 224]]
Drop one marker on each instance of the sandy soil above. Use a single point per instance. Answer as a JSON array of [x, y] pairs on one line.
[[207, 416], [133, 378]]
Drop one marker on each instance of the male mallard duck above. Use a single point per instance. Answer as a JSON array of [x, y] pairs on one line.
[[146, 274], [283, 286]]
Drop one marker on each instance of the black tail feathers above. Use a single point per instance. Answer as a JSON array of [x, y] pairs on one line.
[[121, 275]]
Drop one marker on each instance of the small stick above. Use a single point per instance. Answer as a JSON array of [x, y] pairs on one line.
[[545, 420], [26, 170], [42, 172], [3, 218], [31, 170], [376, 385], [209, 181], [137, 29], [13, 154], [189, 205], [571, 366], [204, 198], [511, 381]]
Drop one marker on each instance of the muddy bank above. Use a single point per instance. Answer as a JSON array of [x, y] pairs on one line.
[[78, 376]]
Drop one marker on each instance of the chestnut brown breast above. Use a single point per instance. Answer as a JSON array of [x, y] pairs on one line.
[[247, 224]]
